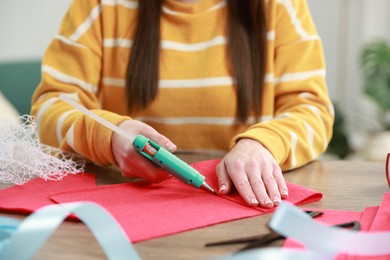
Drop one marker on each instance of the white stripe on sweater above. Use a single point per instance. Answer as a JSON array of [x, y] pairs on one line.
[[310, 138], [188, 83], [180, 83], [170, 45], [306, 95], [42, 110], [218, 6], [125, 3], [95, 12], [178, 46], [68, 79], [217, 81], [294, 141], [296, 22], [213, 8], [60, 123], [70, 138], [86, 24], [298, 76], [193, 47], [316, 111], [197, 83], [271, 35], [200, 120], [313, 109], [118, 42], [68, 41]]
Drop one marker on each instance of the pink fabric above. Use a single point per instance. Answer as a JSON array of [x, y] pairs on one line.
[[147, 211], [34, 194]]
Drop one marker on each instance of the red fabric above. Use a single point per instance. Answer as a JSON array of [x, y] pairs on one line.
[[147, 211], [34, 194], [367, 218], [381, 222]]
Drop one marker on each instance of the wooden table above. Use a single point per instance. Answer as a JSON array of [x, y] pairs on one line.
[[346, 185]]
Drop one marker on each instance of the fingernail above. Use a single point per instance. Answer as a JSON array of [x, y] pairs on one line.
[[170, 147], [222, 188], [254, 202], [268, 203], [276, 200], [284, 194]]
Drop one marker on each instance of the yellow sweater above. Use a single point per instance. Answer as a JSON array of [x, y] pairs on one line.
[[196, 104]]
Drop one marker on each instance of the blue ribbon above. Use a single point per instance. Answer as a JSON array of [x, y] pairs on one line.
[[276, 254], [30, 234], [291, 222]]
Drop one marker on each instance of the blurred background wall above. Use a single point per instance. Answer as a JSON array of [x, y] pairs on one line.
[[26, 28]]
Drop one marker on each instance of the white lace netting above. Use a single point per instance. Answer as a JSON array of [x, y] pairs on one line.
[[23, 157]]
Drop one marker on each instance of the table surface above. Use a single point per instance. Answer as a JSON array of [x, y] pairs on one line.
[[346, 185]]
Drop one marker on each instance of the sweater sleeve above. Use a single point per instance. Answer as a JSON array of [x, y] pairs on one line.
[[303, 116], [72, 65]]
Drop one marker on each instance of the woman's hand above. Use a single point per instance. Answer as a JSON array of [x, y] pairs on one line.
[[252, 169], [130, 161]]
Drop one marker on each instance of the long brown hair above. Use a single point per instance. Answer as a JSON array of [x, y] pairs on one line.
[[247, 43]]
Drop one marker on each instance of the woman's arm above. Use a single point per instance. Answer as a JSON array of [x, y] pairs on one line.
[[303, 117]]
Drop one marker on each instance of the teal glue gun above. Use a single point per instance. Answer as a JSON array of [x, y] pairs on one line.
[[150, 150], [169, 162]]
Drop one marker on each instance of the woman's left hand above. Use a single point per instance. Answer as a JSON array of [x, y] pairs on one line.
[[252, 169]]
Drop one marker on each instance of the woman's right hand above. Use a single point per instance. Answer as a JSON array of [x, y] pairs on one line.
[[131, 162]]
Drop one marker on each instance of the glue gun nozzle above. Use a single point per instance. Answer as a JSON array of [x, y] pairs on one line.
[[208, 187]]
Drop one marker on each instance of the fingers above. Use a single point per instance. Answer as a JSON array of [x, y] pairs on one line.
[[258, 185], [143, 168], [152, 176], [266, 183], [165, 142], [137, 127], [237, 174], [160, 139], [254, 173], [282, 186], [263, 185], [132, 163], [224, 182]]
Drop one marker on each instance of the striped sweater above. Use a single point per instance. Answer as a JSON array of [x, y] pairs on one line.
[[196, 103]]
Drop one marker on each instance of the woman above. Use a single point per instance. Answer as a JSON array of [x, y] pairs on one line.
[[243, 77]]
